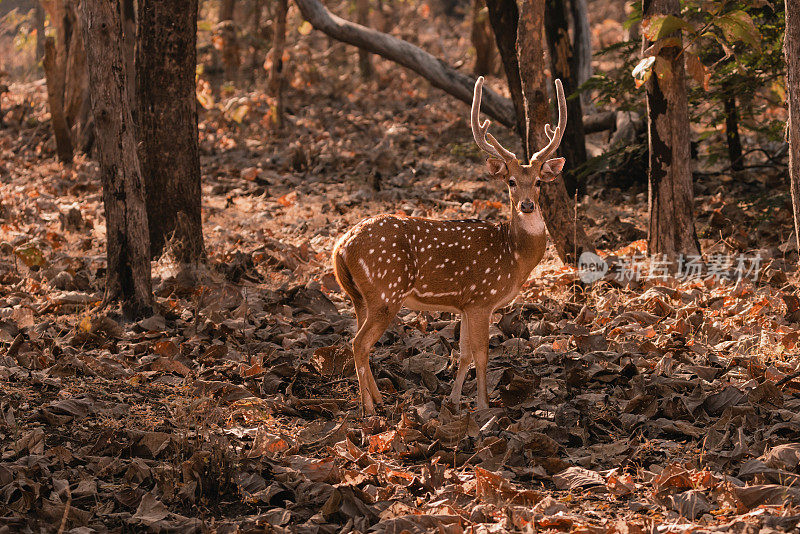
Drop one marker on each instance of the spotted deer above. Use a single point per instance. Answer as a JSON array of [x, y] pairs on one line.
[[470, 267]]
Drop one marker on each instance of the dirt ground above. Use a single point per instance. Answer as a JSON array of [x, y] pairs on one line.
[[624, 406]]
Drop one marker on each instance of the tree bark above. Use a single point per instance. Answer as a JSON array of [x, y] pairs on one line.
[[38, 16], [70, 68], [504, 17], [732, 134], [277, 77], [364, 58], [573, 144], [792, 50], [581, 46], [129, 52], [128, 258], [438, 73], [568, 237], [671, 230], [482, 39], [166, 59], [255, 63], [55, 100], [230, 44]]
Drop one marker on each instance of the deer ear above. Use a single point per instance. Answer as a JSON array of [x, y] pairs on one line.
[[497, 168], [552, 168]]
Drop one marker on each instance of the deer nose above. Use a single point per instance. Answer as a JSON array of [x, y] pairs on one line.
[[526, 206]]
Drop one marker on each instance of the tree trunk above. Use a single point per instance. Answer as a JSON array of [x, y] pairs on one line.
[[671, 230], [504, 17], [482, 39], [129, 52], [227, 35], [438, 73], [128, 258], [732, 134], [573, 144], [792, 51], [569, 238], [255, 60], [277, 76], [581, 46], [165, 66], [55, 99], [38, 16], [364, 59], [69, 64]]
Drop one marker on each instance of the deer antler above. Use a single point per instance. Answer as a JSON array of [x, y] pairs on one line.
[[554, 135], [483, 139]]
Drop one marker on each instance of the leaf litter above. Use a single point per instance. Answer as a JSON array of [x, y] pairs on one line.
[[653, 406]]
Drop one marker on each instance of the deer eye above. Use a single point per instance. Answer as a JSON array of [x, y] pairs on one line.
[[512, 182]]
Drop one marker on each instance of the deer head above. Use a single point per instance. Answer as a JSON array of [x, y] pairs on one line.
[[523, 180]]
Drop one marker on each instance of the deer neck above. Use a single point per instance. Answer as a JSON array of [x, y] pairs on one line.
[[527, 238]]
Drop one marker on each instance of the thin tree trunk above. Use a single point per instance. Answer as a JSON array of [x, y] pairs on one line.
[[568, 237], [165, 66], [276, 81], [581, 46], [230, 45], [70, 68], [504, 17], [128, 258], [482, 39], [792, 51], [38, 15], [573, 144], [732, 134], [671, 230], [364, 57], [255, 64], [55, 99]]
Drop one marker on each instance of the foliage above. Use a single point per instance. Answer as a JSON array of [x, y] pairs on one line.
[[732, 50]]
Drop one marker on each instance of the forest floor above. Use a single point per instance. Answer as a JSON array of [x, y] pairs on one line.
[[624, 406]]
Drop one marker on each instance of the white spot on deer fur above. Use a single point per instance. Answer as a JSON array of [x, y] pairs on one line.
[[383, 239], [487, 270], [493, 291], [371, 250], [472, 287], [435, 295], [366, 269], [383, 296]]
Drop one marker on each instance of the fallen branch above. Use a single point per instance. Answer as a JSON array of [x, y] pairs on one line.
[[433, 69]]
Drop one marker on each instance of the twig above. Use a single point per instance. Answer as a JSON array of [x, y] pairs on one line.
[[788, 378], [66, 511]]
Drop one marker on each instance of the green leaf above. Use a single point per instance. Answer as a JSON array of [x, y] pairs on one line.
[[739, 26], [658, 26]]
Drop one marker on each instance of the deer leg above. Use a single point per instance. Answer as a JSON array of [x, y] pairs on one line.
[[464, 359], [479, 343], [370, 332]]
